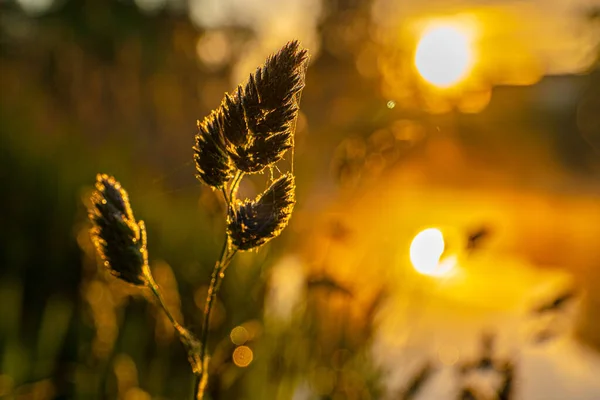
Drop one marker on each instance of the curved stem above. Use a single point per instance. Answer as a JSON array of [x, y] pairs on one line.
[[215, 284], [156, 291], [211, 296], [187, 338], [234, 187], [225, 196], [218, 273]]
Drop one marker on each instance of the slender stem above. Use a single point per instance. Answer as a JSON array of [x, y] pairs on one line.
[[224, 266], [187, 338], [211, 296], [218, 273], [156, 291], [215, 284], [224, 191], [234, 187]]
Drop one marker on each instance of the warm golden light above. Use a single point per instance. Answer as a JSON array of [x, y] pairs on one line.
[[426, 250], [242, 356], [444, 55], [239, 335]]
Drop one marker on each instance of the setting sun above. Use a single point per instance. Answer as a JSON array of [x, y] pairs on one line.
[[426, 251], [444, 55]]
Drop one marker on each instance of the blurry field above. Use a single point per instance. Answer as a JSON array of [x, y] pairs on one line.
[[491, 135]]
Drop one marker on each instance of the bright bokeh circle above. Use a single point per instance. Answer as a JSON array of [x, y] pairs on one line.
[[444, 55], [426, 251]]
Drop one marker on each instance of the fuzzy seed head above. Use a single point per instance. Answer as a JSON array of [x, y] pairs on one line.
[[212, 161], [119, 239], [258, 119], [253, 223]]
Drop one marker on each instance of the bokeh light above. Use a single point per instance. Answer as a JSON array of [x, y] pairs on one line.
[[35, 7], [242, 356], [426, 251], [444, 55], [239, 335]]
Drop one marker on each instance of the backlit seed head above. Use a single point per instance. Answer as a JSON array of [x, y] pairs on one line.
[[212, 161], [253, 223], [119, 239], [258, 118]]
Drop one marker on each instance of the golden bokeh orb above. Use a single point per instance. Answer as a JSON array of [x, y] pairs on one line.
[[242, 356], [426, 250], [444, 55]]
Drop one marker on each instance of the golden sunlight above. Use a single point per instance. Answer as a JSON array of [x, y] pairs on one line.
[[444, 55], [426, 250]]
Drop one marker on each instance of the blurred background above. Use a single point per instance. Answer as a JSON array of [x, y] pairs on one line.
[[445, 243]]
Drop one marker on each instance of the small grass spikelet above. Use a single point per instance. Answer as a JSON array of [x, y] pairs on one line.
[[119, 239], [252, 223], [212, 161]]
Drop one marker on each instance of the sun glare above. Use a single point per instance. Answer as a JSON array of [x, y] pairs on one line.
[[426, 250], [444, 55]]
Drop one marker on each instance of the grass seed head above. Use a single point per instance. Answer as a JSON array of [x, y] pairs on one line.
[[258, 118], [119, 239], [253, 223], [212, 162]]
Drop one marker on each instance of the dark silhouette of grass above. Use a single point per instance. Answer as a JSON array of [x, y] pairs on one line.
[[250, 131]]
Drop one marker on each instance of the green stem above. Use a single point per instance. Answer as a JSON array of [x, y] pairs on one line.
[[156, 291], [213, 289], [218, 273], [186, 338]]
